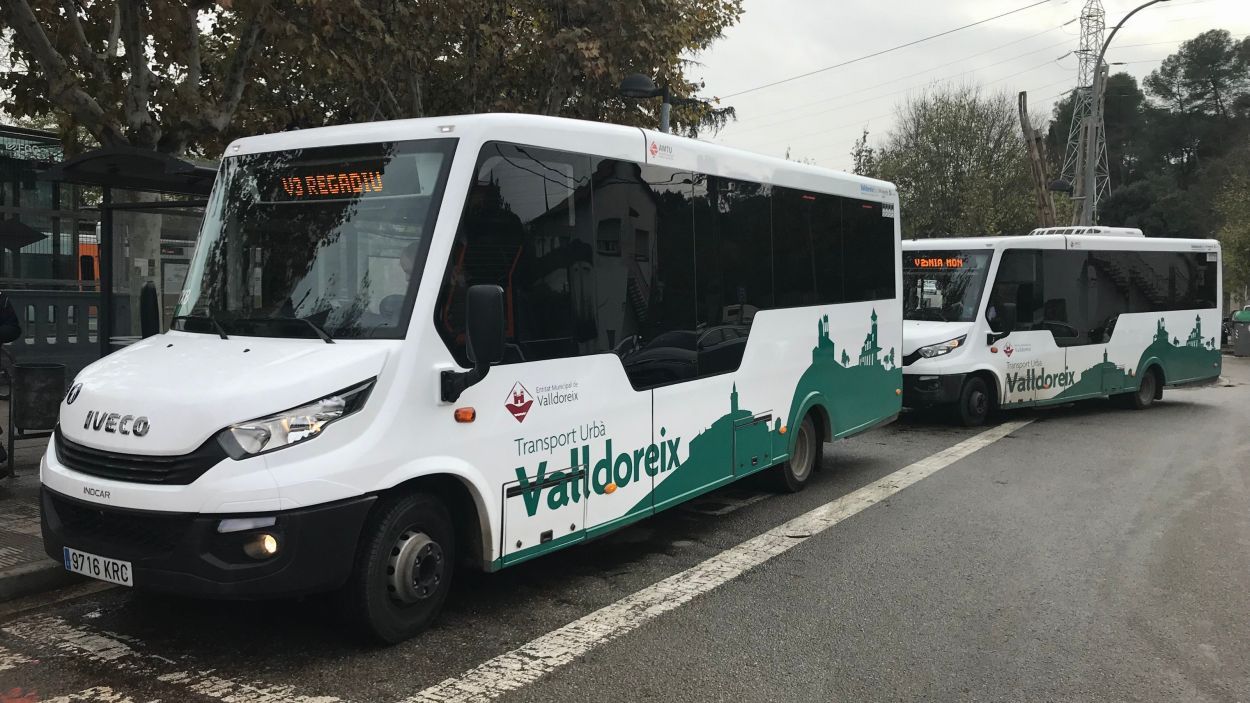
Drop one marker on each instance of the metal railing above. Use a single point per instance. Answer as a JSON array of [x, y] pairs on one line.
[[57, 327]]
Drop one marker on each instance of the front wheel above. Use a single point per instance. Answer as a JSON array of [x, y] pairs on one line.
[[974, 402], [793, 475], [403, 569]]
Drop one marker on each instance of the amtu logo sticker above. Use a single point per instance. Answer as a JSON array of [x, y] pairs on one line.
[[519, 402]]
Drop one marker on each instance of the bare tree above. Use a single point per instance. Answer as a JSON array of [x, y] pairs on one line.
[[958, 158]]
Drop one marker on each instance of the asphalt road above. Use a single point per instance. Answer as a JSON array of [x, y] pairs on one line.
[[1095, 553]]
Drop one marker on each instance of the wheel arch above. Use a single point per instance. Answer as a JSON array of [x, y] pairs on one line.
[[1154, 364], [815, 403], [990, 376], [466, 501]]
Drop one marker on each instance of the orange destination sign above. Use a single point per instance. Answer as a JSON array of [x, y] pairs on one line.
[[937, 262], [335, 183]]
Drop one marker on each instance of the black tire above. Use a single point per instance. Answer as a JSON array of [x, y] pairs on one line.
[[410, 534], [1145, 394], [975, 402], [794, 474]]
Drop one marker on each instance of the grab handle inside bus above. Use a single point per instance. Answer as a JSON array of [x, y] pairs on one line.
[[484, 328]]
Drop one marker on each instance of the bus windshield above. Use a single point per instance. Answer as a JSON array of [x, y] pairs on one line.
[[324, 242], [943, 285]]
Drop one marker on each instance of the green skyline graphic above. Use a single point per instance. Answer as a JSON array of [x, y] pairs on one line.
[[1198, 358]]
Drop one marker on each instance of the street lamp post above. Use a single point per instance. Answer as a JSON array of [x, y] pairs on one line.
[[637, 85], [1094, 119]]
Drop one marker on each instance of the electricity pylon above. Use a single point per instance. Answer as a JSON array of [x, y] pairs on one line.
[[1087, 113]]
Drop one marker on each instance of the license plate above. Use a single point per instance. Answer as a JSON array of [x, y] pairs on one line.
[[98, 567]]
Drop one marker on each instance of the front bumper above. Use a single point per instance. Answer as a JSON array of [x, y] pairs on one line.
[[930, 390], [183, 552]]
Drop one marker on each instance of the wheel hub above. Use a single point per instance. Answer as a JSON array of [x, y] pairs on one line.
[[416, 567], [978, 403]]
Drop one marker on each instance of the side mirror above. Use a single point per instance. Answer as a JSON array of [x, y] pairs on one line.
[[1004, 322], [484, 322], [484, 328]]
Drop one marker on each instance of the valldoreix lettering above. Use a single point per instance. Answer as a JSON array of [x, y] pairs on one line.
[[580, 479], [1039, 380]]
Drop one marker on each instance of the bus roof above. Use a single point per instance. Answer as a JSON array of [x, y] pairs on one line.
[[595, 138], [1059, 241]]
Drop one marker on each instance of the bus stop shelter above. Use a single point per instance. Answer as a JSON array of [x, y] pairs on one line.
[[150, 208]]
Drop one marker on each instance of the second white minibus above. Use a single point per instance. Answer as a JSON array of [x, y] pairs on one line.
[[1060, 315], [410, 346]]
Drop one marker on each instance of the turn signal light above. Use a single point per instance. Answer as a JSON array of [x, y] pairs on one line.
[[782, 430], [610, 488], [898, 391], [465, 414]]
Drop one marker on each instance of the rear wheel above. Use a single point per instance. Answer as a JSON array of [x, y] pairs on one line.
[[793, 475], [403, 569], [1146, 392], [974, 402]]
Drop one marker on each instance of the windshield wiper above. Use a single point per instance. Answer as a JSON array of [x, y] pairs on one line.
[[221, 331], [316, 328]]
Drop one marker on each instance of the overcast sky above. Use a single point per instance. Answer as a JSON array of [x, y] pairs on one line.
[[820, 117]]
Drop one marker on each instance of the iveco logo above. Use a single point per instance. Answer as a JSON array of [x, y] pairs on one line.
[[73, 393], [116, 423]]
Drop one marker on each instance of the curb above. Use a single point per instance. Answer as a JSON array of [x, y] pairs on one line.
[[38, 577]]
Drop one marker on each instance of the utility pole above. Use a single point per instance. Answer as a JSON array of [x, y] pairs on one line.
[[1037, 161]]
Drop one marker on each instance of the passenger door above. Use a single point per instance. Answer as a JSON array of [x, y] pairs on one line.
[[559, 429], [1029, 352]]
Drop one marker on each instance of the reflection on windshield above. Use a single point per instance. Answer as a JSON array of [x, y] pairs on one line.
[[312, 242], [943, 285]]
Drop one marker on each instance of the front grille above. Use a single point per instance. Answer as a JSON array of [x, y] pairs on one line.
[[137, 534], [176, 470]]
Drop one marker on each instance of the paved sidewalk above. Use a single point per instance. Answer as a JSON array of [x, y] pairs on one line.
[[24, 568]]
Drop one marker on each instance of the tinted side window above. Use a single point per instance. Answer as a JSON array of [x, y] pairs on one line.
[[1153, 281], [1018, 285], [527, 228], [1065, 296], [652, 280], [807, 248], [733, 261], [868, 248]]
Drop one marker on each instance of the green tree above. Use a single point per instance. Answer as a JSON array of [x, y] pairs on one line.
[[1233, 207], [189, 75], [959, 161], [1206, 75], [864, 157], [1123, 120]]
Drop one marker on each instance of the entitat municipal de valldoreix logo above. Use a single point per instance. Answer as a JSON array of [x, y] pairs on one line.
[[1008, 350], [519, 402]]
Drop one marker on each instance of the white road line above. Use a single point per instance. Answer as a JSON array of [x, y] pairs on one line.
[[53, 633], [95, 694], [531, 661], [10, 660]]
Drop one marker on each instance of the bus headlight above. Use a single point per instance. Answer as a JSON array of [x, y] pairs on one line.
[[292, 426], [946, 347]]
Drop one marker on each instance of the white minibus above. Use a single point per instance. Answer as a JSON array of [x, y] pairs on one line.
[[1059, 315], [409, 347]]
